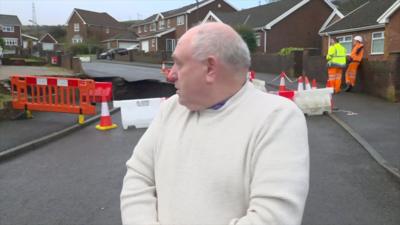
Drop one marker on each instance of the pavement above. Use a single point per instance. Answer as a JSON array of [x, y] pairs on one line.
[[7, 71], [373, 122]]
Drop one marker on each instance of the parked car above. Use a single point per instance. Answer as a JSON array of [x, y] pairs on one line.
[[110, 54]]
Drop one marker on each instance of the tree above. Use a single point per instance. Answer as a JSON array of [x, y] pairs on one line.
[[58, 32], [248, 36], [2, 42]]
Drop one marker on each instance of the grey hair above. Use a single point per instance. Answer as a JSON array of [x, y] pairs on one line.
[[231, 49]]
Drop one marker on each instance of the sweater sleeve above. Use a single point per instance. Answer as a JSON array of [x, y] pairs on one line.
[[138, 195], [280, 171]]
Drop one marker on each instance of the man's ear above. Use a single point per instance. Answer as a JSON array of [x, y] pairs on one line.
[[211, 69]]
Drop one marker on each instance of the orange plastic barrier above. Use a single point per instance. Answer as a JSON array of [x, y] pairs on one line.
[[53, 94], [102, 92]]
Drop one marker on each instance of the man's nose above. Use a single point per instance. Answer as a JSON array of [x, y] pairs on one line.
[[172, 75]]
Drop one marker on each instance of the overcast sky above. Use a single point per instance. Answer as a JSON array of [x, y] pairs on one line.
[[54, 12]]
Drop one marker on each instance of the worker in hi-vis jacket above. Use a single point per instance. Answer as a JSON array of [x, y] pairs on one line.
[[354, 62], [336, 60]]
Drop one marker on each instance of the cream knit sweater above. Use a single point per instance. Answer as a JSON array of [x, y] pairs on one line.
[[245, 163]]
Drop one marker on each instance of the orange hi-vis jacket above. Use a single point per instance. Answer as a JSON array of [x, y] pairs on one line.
[[357, 52]]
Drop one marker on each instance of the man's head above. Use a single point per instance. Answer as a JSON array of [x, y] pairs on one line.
[[334, 40], [358, 38], [210, 64]]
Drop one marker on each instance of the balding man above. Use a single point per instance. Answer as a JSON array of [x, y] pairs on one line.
[[219, 151]]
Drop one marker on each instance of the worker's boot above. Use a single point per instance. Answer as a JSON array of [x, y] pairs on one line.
[[348, 87]]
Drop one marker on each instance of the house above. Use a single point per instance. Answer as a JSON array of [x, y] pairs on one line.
[[161, 31], [11, 33], [29, 41], [282, 24], [377, 22], [85, 26], [127, 39], [48, 42], [30, 45]]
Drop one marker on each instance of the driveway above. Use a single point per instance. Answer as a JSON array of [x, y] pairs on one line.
[[7, 71]]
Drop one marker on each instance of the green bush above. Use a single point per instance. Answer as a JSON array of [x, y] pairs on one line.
[[78, 49], [248, 36], [288, 51], [2, 43]]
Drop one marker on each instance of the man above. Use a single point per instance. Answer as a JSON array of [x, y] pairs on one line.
[[336, 58], [356, 56], [219, 151]]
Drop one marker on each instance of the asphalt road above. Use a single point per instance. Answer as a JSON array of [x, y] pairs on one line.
[[129, 73], [77, 180]]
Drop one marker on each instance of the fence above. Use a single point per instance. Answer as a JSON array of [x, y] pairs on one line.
[[53, 94]]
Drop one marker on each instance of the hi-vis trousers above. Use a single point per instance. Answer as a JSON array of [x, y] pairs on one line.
[[335, 77], [351, 73]]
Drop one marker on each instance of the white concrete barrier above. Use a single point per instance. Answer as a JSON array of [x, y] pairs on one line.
[[259, 84], [138, 112], [314, 102]]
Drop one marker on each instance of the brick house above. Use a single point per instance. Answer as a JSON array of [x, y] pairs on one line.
[[161, 31], [87, 26], [281, 24], [10, 31], [378, 22]]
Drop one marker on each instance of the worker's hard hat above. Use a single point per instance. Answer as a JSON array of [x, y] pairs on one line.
[[358, 38]]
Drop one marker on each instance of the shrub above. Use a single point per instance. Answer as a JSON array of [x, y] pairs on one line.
[[248, 36], [79, 49], [288, 51]]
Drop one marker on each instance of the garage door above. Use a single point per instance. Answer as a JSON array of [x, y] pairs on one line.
[[145, 46], [126, 45], [48, 46]]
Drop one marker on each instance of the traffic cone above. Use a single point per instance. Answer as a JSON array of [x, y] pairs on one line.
[[328, 84], [282, 82], [105, 119], [251, 75], [300, 86], [314, 84], [308, 86]]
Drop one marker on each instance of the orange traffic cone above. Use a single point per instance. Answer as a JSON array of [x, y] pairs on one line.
[[105, 119], [308, 86], [328, 84], [282, 82], [300, 86], [314, 84], [251, 75]]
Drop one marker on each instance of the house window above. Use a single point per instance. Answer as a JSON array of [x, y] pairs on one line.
[[76, 39], [139, 30], [170, 45], [258, 39], [8, 29], [180, 20], [11, 41], [145, 28], [76, 27], [347, 42], [378, 43], [153, 43], [153, 27], [161, 25], [107, 30], [168, 23]]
